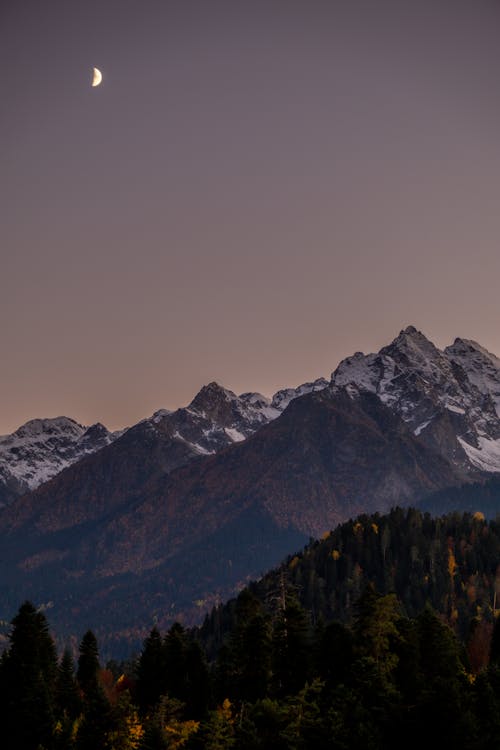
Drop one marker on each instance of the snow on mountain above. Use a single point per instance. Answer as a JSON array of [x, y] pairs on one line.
[[282, 398], [41, 448], [217, 417], [482, 367], [214, 419], [450, 399]]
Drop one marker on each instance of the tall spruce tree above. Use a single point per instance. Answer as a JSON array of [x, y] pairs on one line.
[[97, 723], [151, 673], [88, 663], [28, 683], [67, 694]]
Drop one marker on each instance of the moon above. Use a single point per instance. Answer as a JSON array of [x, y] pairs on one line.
[[96, 77]]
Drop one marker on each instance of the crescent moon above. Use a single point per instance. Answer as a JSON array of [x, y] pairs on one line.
[[96, 77]]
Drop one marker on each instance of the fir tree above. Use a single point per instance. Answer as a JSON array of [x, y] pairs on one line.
[[88, 664], [67, 694], [151, 672], [27, 682]]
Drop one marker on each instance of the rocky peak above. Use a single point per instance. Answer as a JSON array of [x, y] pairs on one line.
[[216, 403], [447, 398], [411, 350], [41, 448], [481, 366]]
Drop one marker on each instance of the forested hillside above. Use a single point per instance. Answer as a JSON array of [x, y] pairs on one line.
[[451, 563], [382, 635]]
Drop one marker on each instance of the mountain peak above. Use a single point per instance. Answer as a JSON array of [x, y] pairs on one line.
[[470, 347], [49, 426], [413, 350], [410, 331], [411, 335], [210, 394], [41, 448]]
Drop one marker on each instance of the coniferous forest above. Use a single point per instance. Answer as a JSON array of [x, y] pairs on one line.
[[382, 635]]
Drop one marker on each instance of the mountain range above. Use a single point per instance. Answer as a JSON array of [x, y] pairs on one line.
[[181, 509]]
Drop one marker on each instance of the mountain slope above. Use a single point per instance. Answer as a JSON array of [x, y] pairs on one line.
[[41, 448], [405, 552], [215, 418], [186, 505], [447, 398], [229, 516]]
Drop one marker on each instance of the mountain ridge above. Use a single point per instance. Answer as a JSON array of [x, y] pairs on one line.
[[186, 505]]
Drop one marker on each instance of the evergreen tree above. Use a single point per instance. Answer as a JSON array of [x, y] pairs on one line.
[[246, 661], [151, 672], [67, 694], [292, 653], [442, 701], [27, 682], [218, 733], [175, 649], [334, 654], [97, 723], [88, 664], [198, 682], [375, 628], [487, 708]]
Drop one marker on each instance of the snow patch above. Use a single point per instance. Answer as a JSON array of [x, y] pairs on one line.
[[234, 434], [486, 456], [455, 409], [422, 427]]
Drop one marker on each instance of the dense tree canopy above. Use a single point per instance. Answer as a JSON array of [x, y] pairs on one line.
[[274, 669]]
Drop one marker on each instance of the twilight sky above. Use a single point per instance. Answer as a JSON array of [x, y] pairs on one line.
[[257, 189]]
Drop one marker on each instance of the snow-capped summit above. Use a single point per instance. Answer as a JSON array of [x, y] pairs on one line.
[[447, 398], [217, 417], [41, 448], [450, 400]]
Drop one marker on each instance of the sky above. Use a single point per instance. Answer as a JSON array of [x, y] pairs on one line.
[[256, 190]]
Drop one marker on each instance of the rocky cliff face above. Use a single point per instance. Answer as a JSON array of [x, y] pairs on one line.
[[447, 398]]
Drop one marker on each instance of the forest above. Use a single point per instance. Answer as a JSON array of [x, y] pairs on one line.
[[384, 634]]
